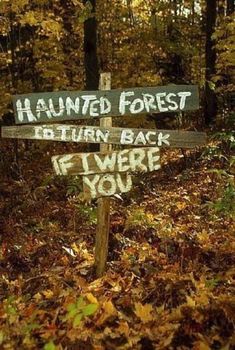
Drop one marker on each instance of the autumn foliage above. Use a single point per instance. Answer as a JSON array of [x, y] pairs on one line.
[[170, 277]]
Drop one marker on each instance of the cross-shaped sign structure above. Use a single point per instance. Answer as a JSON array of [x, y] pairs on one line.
[[107, 172]]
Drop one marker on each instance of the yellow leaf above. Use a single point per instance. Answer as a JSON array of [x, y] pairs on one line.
[[37, 297], [19, 5], [109, 311], [90, 297], [51, 26], [48, 294], [160, 309], [1, 337], [29, 18], [201, 346], [203, 237], [190, 301], [75, 248], [144, 312], [181, 205]]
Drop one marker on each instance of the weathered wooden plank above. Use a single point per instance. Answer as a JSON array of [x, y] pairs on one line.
[[71, 105], [106, 185], [128, 160], [105, 135]]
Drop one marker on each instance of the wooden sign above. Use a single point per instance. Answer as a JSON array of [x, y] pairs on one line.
[[107, 172], [127, 160], [106, 185], [107, 135], [71, 105]]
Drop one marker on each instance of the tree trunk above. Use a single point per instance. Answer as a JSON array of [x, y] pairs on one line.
[[90, 50], [175, 9], [210, 96], [230, 7], [91, 58], [193, 11]]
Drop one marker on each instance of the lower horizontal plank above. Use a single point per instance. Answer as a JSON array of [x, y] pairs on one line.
[[106, 185]]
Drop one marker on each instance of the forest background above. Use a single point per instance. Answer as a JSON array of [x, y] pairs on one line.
[[57, 45], [170, 280]]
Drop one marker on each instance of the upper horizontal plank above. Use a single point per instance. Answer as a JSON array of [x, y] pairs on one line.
[[72, 105], [120, 136]]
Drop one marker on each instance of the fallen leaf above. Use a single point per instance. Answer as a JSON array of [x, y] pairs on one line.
[[201, 346], [123, 328], [89, 309], [90, 297], [109, 311], [69, 251], [144, 312], [37, 297], [1, 337], [75, 248], [190, 301], [48, 294], [50, 346]]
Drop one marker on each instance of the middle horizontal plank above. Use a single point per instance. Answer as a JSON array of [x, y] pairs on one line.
[[119, 136]]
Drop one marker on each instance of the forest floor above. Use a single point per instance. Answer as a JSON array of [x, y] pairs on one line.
[[170, 281]]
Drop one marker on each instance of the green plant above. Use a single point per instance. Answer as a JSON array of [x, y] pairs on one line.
[[212, 283], [223, 143], [49, 346], [227, 138], [226, 204], [9, 306], [79, 310], [74, 186], [140, 218], [221, 173], [213, 151], [88, 212], [232, 162]]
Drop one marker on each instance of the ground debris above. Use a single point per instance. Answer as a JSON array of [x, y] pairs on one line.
[[170, 280]]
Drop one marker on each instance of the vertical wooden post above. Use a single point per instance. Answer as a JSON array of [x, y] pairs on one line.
[[103, 210]]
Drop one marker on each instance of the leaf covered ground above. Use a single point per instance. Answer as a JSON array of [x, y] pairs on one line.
[[170, 281]]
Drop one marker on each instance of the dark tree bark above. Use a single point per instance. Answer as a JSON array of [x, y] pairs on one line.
[[221, 8], [193, 11], [210, 108], [130, 12], [90, 50], [90, 57], [230, 7]]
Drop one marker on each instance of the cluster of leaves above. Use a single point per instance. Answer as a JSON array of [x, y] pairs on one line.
[[223, 79], [226, 204], [170, 276], [35, 54], [224, 149], [139, 218], [225, 38], [42, 44], [162, 29], [79, 310]]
